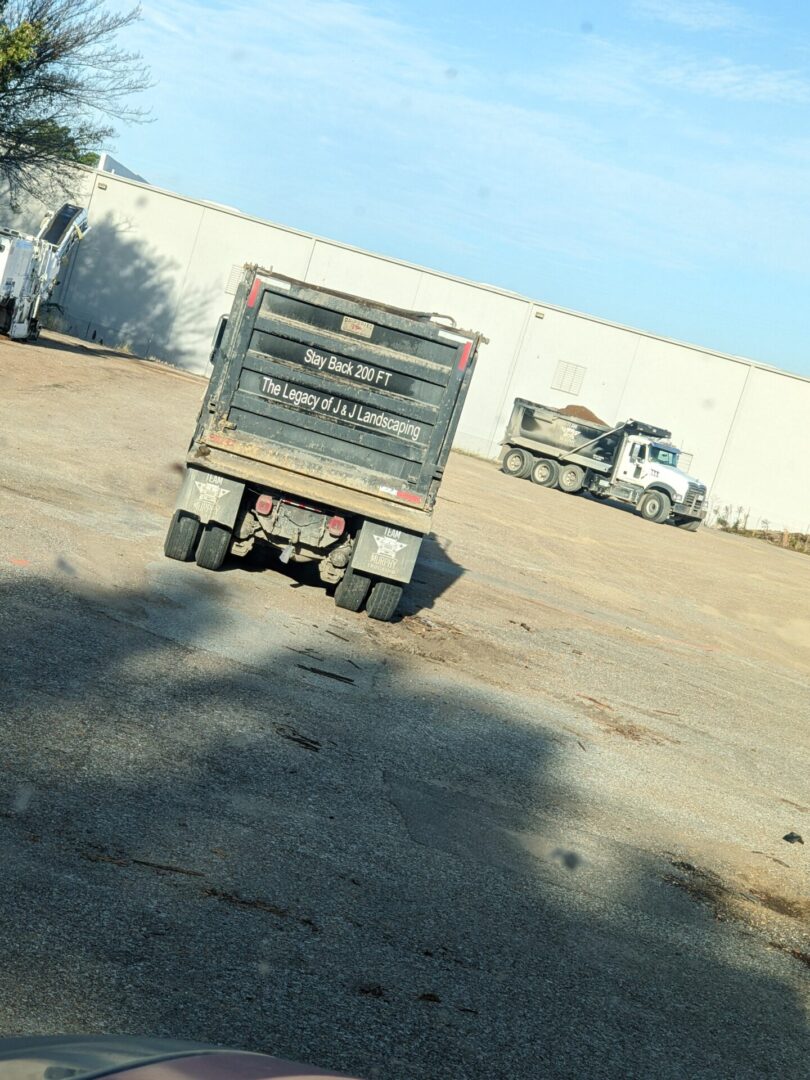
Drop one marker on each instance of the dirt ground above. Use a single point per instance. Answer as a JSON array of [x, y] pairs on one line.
[[534, 827]]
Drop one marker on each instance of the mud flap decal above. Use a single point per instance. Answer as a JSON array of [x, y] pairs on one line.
[[385, 552], [210, 497]]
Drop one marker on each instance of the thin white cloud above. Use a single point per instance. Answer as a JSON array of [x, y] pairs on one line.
[[698, 15], [334, 105], [724, 79], [631, 76]]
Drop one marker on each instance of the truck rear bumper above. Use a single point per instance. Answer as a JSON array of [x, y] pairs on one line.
[[248, 470]]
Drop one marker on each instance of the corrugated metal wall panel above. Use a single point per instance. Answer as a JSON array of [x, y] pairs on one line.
[[154, 271]]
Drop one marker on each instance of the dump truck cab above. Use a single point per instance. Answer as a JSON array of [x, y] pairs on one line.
[[651, 463]]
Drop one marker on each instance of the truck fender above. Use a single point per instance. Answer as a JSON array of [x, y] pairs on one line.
[[210, 497], [385, 552], [665, 488]]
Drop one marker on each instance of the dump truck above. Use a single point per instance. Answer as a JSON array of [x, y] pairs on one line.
[[323, 436], [29, 266], [632, 462]]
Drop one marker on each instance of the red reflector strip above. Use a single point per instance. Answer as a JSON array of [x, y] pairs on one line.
[[409, 496], [464, 359], [254, 292]]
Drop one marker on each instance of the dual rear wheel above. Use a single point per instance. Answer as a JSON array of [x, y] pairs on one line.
[[208, 544], [517, 462], [542, 471], [381, 597], [549, 473], [213, 546], [188, 539], [181, 539], [545, 472], [571, 479]]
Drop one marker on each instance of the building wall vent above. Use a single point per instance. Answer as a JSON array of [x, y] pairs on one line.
[[234, 278], [568, 377]]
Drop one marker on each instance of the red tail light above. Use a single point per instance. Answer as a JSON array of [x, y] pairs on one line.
[[335, 526], [264, 505]]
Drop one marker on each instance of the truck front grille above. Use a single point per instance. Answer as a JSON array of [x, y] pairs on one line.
[[694, 497]]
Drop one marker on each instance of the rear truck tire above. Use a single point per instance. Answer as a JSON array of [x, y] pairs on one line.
[[182, 537], [517, 462], [351, 591], [571, 479], [213, 546], [655, 506], [544, 472], [690, 525], [383, 600]]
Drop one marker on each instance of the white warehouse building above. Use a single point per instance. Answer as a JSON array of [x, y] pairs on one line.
[[158, 269]]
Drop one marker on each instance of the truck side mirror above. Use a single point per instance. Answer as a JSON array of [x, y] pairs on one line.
[[218, 336]]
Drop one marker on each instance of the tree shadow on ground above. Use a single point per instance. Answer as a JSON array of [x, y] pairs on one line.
[[315, 852], [62, 344]]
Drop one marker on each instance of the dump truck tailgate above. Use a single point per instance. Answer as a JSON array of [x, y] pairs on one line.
[[338, 388]]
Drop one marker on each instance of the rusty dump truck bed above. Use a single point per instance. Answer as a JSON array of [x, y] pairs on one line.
[[314, 389]]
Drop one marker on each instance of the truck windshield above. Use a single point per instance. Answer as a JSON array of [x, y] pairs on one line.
[[664, 455]]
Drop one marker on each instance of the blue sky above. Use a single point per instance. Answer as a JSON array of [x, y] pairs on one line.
[[647, 161]]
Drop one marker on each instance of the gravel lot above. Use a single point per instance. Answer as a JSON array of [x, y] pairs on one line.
[[534, 828]]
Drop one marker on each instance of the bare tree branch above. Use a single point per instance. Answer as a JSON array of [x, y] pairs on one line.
[[64, 80]]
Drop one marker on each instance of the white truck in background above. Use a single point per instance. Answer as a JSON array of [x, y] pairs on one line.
[[29, 266], [632, 462]]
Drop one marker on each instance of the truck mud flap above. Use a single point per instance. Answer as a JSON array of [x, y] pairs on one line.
[[385, 552], [210, 497]]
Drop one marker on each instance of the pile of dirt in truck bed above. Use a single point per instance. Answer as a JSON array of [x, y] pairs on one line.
[[581, 413]]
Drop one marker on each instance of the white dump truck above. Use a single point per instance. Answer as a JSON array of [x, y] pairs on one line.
[[632, 462], [29, 267]]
